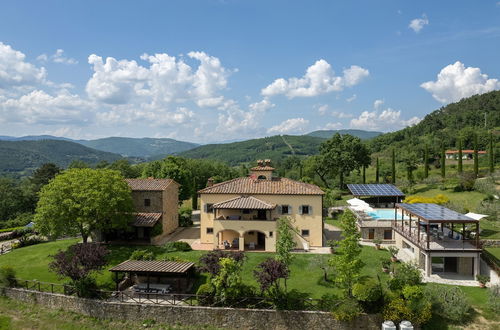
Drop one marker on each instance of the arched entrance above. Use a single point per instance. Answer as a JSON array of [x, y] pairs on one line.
[[227, 239], [255, 240]]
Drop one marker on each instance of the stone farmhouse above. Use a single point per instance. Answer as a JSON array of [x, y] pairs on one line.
[[242, 213]]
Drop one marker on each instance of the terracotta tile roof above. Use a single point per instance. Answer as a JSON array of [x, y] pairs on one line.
[[153, 266], [146, 219], [262, 168], [244, 202], [464, 151], [149, 184], [275, 186]]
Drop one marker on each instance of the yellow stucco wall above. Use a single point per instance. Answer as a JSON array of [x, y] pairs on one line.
[[313, 222]]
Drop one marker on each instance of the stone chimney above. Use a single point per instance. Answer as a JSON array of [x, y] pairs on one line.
[[210, 182], [263, 170]]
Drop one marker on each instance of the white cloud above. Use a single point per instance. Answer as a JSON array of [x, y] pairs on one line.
[[292, 125], [15, 71], [41, 108], [418, 24], [341, 115], [352, 98], [263, 105], [455, 82], [377, 104], [318, 79], [57, 57], [322, 109], [387, 120]]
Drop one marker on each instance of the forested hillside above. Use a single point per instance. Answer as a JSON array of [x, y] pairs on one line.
[[275, 147], [139, 147], [20, 157], [478, 114]]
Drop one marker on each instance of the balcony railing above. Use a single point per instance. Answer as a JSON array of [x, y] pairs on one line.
[[437, 240], [242, 218]]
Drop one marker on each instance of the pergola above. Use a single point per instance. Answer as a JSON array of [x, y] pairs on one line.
[[376, 190], [153, 268], [244, 203], [429, 214]]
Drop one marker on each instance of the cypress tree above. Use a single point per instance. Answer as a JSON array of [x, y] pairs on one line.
[[492, 158], [393, 166], [476, 161], [460, 167], [443, 162], [426, 161], [377, 172], [364, 174]]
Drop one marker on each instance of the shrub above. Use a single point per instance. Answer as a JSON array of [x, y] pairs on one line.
[[86, 287], [406, 274], [27, 241], [178, 246], [185, 213], [486, 186], [494, 299], [142, 255], [157, 229], [210, 261], [438, 199], [208, 292], [466, 181], [348, 310], [483, 279], [369, 294], [328, 302], [449, 302], [393, 250], [7, 276], [399, 309]]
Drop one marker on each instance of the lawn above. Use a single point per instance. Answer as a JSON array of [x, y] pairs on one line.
[[306, 276], [18, 315], [470, 200], [494, 251]]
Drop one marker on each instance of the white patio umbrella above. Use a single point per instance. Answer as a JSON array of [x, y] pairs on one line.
[[356, 202], [476, 216]]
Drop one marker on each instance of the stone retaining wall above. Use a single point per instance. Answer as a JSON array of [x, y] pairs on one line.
[[230, 318]]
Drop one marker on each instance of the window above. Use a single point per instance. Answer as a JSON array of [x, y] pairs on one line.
[[262, 177], [306, 209], [388, 234], [209, 208], [147, 202], [210, 230], [270, 234], [305, 232], [251, 233], [286, 209]]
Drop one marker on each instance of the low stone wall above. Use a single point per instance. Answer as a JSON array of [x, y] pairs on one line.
[[231, 318], [490, 242]]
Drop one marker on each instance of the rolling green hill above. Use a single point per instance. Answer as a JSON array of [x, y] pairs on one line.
[[139, 147], [274, 147], [21, 157], [363, 135], [478, 114]]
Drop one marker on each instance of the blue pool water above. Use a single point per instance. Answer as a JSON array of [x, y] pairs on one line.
[[385, 215]]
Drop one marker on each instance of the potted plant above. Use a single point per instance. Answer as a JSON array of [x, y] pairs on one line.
[[482, 279], [377, 243], [332, 244], [394, 252], [386, 264]]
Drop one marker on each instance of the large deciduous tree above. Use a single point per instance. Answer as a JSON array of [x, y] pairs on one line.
[[342, 154], [80, 201]]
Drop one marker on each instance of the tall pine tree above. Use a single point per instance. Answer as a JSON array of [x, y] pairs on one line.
[[377, 171], [426, 161], [460, 166], [393, 166], [491, 155], [443, 162], [476, 160]]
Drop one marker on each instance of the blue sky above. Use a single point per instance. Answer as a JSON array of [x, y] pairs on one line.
[[212, 70]]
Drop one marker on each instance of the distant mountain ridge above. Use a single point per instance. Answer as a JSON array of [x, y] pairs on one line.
[[127, 147], [21, 157], [363, 135]]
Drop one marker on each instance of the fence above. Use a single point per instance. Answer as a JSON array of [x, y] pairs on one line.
[[174, 299]]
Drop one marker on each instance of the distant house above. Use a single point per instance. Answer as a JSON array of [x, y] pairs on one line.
[[242, 213], [466, 154], [156, 203]]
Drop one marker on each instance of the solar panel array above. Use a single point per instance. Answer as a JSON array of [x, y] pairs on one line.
[[434, 212], [374, 190]]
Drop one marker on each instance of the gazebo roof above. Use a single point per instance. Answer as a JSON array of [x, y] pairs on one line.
[[244, 202], [154, 266]]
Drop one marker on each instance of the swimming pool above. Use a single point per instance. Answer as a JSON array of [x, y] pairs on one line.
[[380, 214]]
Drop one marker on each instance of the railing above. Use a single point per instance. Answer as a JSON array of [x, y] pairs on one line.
[[173, 299], [442, 242]]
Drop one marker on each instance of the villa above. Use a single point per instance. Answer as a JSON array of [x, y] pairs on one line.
[[375, 209], [241, 213], [428, 235], [156, 203]]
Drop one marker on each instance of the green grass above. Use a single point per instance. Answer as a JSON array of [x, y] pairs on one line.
[[490, 229], [470, 200], [495, 251], [306, 276], [333, 221], [18, 315]]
